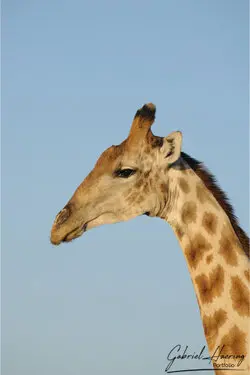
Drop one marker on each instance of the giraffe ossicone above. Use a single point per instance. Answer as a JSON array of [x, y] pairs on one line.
[[147, 174]]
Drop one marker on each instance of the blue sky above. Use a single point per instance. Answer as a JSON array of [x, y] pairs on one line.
[[73, 75]]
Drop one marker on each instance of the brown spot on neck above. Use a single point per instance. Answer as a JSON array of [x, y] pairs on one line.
[[212, 286], [209, 222], [184, 185], [195, 250], [232, 350], [189, 212], [240, 296], [234, 343], [211, 324], [226, 248]]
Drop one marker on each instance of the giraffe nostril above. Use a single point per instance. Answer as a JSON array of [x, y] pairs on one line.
[[62, 216]]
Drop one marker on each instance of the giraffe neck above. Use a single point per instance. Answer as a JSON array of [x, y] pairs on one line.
[[218, 266]]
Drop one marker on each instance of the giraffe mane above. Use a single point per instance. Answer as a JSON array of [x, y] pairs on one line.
[[210, 182]]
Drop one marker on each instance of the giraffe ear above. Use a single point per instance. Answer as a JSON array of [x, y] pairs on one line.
[[171, 148]]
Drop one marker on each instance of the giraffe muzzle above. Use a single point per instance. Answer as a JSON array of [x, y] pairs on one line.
[[56, 238]]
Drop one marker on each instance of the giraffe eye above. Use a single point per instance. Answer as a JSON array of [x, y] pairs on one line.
[[124, 173]]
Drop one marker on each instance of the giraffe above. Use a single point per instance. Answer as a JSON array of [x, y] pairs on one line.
[[151, 175]]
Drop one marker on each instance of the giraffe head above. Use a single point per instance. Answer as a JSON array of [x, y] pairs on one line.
[[128, 180]]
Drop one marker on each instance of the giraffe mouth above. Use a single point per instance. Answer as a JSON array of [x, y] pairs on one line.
[[103, 218], [75, 233], [78, 231]]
